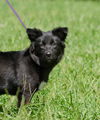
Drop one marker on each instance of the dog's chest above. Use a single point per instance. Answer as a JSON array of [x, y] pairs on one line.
[[42, 84]]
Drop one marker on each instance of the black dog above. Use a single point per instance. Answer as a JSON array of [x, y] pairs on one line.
[[22, 72]]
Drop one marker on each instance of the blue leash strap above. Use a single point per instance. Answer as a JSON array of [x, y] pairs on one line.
[[16, 14]]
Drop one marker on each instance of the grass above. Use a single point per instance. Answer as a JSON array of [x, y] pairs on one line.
[[73, 90]]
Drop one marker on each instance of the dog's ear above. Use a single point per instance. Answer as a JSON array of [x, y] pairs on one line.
[[61, 32], [33, 56], [33, 33]]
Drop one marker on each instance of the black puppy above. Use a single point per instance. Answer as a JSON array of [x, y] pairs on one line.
[[22, 72]]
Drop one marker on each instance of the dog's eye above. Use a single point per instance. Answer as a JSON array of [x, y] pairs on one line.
[[52, 42], [43, 43]]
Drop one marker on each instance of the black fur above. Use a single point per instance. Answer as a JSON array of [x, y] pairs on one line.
[[21, 72]]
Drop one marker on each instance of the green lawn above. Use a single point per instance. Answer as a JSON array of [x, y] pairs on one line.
[[73, 90]]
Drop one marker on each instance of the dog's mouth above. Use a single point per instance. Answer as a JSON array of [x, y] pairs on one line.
[[49, 59], [46, 61]]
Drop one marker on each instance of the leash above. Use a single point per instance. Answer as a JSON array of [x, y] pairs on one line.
[[16, 14]]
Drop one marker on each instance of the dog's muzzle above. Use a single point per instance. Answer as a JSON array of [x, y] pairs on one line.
[[48, 54]]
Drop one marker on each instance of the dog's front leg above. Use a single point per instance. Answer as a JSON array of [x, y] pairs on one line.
[[19, 97], [28, 93], [28, 96]]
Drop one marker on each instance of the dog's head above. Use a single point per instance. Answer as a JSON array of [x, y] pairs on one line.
[[47, 48]]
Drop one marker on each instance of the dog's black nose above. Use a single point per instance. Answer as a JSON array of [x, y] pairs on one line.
[[48, 54]]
